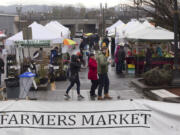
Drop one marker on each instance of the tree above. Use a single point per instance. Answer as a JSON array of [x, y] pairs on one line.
[[162, 12], [55, 12], [82, 12]]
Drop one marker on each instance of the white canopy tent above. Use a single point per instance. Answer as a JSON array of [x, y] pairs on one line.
[[151, 34], [128, 28], [125, 29], [58, 29], [39, 32], [113, 29], [135, 30]]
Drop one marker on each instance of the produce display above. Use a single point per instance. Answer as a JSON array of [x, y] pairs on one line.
[[160, 55]]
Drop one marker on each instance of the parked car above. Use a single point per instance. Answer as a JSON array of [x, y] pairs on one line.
[[78, 35]]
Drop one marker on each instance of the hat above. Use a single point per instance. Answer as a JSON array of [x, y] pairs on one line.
[[78, 54], [91, 54], [121, 44]]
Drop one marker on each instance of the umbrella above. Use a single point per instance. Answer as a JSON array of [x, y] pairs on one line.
[[69, 42], [88, 34]]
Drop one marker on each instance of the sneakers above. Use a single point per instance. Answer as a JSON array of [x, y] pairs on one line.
[[93, 96], [80, 97], [67, 96]]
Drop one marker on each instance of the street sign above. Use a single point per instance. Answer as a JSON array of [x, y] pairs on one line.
[[27, 33]]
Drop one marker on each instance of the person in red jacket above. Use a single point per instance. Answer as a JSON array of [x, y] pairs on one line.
[[92, 75]]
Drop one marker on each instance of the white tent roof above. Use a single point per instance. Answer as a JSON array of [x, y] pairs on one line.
[[135, 27], [153, 34], [112, 29], [129, 27], [59, 29], [39, 32], [119, 22], [136, 30]]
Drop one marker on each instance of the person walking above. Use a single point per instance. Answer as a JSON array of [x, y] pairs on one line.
[[119, 59], [74, 76], [92, 75], [103, 75]]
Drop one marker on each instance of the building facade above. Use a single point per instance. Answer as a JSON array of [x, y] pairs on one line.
[[9, 24]]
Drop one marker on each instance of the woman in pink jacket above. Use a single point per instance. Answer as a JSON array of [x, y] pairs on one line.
[[92, 74]]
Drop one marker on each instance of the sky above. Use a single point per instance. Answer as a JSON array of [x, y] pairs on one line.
[[87, 3]]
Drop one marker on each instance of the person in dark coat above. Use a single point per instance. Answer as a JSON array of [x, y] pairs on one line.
[[82, 45], [92, 74], [112, 46], [1, 68], [120, 57], [54, 53], [148, 59], [96, 39], [74, 76], [91, 43]]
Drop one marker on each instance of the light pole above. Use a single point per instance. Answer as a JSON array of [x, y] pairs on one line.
[[176, 73], [103, 10], [137, 3], [176, 35], [30, 13], [18, 10]]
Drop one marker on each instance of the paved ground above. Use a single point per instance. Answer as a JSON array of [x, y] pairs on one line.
[[120, 86]]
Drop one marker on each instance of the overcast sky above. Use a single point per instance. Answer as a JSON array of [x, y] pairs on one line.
[[87, 3]]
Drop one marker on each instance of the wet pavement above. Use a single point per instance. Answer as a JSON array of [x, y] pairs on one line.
[[120, 88]]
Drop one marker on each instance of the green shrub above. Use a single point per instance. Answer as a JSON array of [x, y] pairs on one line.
[[158, 76]]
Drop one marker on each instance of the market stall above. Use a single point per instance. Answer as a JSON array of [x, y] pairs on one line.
[[158, 40], [27, 49], [138, 36]]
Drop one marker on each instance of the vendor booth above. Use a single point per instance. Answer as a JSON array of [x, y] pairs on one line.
[[159, 40], [138, 37], [30, 52]]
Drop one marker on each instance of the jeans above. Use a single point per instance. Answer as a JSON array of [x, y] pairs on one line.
[[72, 84], [0, 79], [103, 83], [119, 67], [93, 87]]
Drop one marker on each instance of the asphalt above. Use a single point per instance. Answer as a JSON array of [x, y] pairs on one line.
[[120, 88]]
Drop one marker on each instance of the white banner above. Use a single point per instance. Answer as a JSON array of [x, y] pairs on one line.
[[139, 117]]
